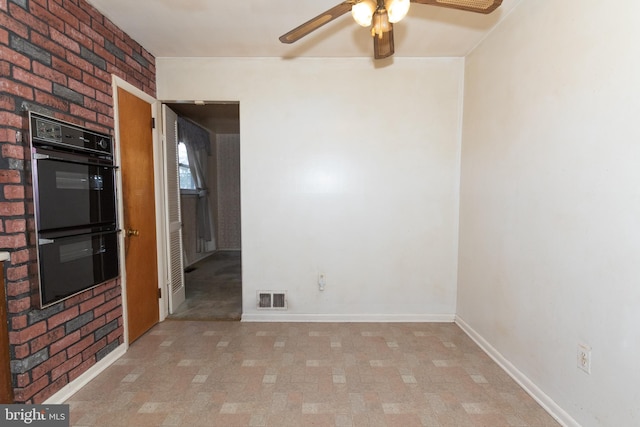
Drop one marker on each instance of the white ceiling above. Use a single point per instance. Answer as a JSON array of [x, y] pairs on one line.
[[250, 28]]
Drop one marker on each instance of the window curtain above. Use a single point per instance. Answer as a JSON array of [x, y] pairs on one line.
[[196, 140]]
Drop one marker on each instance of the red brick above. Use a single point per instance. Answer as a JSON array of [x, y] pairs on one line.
[[49, 73], [11, 208], [91, 304], [107, 121], [3, 5], [123, 46], [104, 53], [117, 32], [52, 389], [47, 44], [65, 41], [92, 326], [18, 288], [20, 257], [98, 107], [9, 176], [63, 14], [94, 348], [79, 37], [96, 83], [114, 314], [22, 380], [14, 26], [85, 113], [13, 241], [27, 18], [66, 68], [46, 366], [23, 395], [15, 225], [19, 322], [10, 119], [81, 88], [80, 63], [13, 88], [97, 32], [27, 334], [64, 343], [106, 307], [12, 192], [115, 335], [107, 286], [66, 367], [46, 339], [14, 152], [42, 13], [133, 63], [81, 369], [80, 346], [19, 305], [62, 317], [7, 103], [105, 77], [75, 300], [17, 273], [51, 101], [21, 351]]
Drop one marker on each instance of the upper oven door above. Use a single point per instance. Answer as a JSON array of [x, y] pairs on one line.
[[72, 191]]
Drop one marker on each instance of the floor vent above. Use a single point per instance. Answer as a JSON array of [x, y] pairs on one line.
[[272, 300]]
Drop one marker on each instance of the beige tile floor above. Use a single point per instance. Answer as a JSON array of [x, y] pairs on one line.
[[197, 373]]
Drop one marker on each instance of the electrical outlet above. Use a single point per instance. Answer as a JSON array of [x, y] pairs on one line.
[[322, 281], [584, 358]]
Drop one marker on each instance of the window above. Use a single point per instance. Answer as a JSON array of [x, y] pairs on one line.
[[186, 180]]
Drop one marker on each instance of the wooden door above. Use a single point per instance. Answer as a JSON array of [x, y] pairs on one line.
[[139, 222], [6, 387]]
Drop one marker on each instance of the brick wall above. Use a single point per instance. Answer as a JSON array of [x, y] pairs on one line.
[[57, 58]]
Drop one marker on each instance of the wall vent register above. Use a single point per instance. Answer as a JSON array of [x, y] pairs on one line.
[[274, 300]]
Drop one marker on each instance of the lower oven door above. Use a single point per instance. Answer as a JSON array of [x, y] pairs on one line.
[[71, 264]]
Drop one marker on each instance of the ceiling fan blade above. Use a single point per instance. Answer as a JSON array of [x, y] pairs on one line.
[[317, 22], [383, 46], [479, 6]]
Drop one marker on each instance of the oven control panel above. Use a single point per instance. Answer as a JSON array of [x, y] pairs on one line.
[[47, 131]]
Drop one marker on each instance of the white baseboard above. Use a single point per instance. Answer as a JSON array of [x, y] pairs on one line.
[[533, 390], [353, 318], [73, 387]]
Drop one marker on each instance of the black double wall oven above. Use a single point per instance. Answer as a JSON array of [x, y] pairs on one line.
[[75, 207]]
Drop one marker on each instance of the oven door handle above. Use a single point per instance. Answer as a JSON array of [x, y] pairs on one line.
[[39, 156], [43, 241]]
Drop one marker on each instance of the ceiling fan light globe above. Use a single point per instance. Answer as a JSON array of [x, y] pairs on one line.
[[397, 9], [363, 11]]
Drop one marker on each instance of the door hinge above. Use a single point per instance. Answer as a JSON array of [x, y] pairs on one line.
[[159, 293], [153, 122]]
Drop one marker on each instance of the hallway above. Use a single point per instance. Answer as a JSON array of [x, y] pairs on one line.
[[213, 289]]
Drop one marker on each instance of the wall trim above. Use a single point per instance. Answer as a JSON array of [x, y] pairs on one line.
[[529, 386], [354, 318], [74, 386]]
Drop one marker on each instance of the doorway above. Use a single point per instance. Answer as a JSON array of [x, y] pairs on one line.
[[212, 268]]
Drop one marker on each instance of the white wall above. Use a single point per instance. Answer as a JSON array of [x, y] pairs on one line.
[[347, 170], [550, 202]]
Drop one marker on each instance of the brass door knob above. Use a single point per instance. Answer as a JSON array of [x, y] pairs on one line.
[[132, 232]]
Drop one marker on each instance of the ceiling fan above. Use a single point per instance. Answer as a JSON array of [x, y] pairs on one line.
[[380, 15]]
